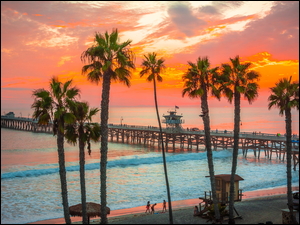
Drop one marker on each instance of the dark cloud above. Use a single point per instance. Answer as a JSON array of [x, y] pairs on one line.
[[182, 16], [227, 4], [209, 9], [217, 7]]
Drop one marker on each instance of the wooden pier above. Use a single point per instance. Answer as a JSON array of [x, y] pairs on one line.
[[269, 144], [25, 124]]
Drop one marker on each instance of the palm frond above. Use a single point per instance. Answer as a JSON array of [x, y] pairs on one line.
[[69, 118], [71, 134], [66, 85], [108, 56], [55, 88], [159, 78], [152, 67], [199, 78], [72, 92], [93, 112], [284, 95]]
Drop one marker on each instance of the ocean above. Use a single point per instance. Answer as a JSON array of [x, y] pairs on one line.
[[30, 188]]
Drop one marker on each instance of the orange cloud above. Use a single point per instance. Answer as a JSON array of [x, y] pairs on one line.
[[137, 50], [211, 29], [63, 60], [59, 26], [272, 70]]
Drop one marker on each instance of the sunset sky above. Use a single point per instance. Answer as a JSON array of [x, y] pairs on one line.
[[42, 39]]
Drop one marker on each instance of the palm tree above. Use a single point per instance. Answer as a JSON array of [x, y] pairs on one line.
[[198, 81], [84, 131], [108, 60], [285, 96], [53, 106], [153, 67], [238, 80]]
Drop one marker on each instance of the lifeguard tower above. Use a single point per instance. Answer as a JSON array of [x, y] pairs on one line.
[[223, 192], [173, 121], [223, 188]]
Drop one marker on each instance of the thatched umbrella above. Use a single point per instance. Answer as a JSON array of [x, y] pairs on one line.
[[92, 209]]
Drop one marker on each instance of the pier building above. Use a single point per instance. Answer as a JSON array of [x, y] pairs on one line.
[[173, 121]]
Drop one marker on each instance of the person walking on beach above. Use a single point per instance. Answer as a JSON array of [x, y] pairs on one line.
[[148, 207], [152, 208], [164, 206], [196, 211]]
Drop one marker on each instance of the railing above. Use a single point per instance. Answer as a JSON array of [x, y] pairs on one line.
[[212, 132], [21, 119], [222, 197], [173, 121], [183, 130]]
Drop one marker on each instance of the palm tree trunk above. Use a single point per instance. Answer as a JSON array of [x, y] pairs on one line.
[[82, 175], [164, 157], [288, 127], [104, 143], [62, 174], [206, 122], [237, 112]]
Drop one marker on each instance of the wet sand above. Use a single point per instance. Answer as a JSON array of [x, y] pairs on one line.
[[256, 207]]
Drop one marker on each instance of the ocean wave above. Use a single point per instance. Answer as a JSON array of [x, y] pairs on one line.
[[121, 162]]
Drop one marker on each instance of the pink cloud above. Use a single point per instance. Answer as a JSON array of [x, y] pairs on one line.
[[277, 33]]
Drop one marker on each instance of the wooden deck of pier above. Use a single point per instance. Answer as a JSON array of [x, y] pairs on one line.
[[269, 144]]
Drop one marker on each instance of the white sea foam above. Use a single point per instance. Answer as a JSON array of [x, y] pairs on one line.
[[120, 162]]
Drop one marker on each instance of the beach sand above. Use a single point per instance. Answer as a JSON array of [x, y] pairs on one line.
[[252, 211], [256, 207]]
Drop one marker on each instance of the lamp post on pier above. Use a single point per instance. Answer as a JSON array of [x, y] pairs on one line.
[[121, 120]]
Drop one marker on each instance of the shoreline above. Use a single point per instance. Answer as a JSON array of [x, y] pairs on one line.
[[176, 206]]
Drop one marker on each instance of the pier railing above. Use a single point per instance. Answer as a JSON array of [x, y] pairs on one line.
[[212, 132], [23, 123]]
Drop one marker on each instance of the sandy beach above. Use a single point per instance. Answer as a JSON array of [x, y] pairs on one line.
[[256, 207], [252, 211]]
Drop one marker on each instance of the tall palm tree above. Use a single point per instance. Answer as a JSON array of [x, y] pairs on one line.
[[53, 106], [108, 60], [285, 96], [84, 131], [237, 80], [152, 67], [198, 81]]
